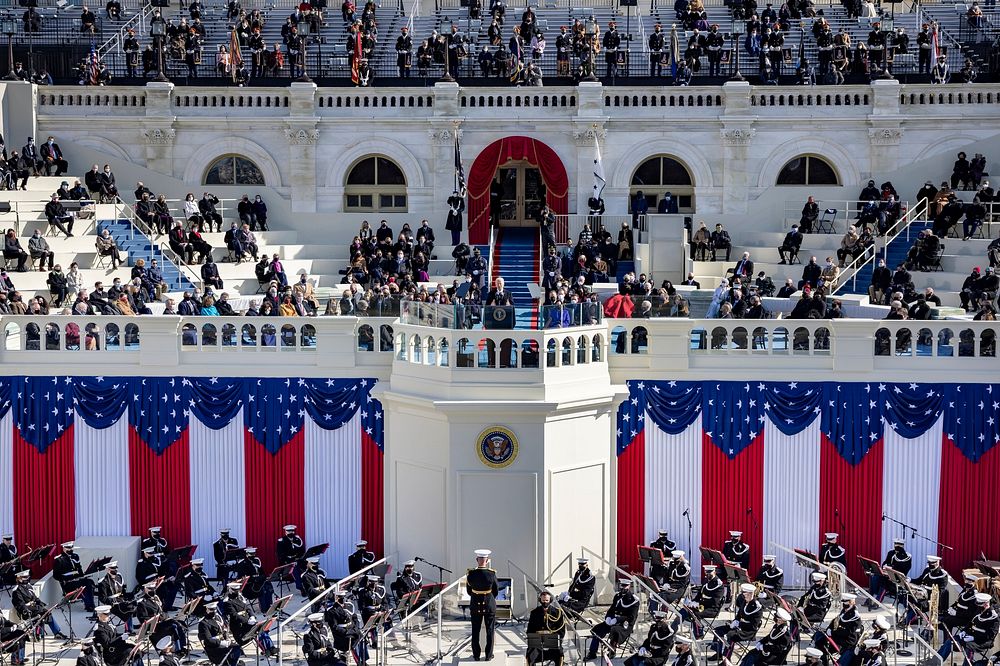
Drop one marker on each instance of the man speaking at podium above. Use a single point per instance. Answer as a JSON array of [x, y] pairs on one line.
[[481, 583]]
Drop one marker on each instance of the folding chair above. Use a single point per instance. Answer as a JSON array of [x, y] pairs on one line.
[[101, 260], [824, 225]]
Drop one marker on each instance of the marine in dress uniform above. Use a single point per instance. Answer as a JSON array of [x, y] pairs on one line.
[[714, 44], [815, 657], [313, 580], [28, 605], [675, 584], [131, 48], [980, 632], [216, 639], [87, 656], [360, 558], [408, 580], [581, 589], [220, 549], [655, 650], [14, 637], [666, 546], [546, 619], [481, 584], [290, 550], [148, 606], [816, 601], [934, 575], [896, 559], [404, 52], [66, 569], [196, 582], [611, 41], [111, 591], [317, 644], [258, 585], [847, 632], [964, 609], [345, 628], [683, 649], [166, 649], [872, 655], [656, 42], [735, 551], [831, 551], [707, 601], [771, 575], [112, 648], [743, 627], [618, 622], [8, 553], [242, 622], [773, 647], [156, 540]]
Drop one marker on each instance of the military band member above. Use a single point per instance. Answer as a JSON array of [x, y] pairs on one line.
[[678, 578], [345, 628], [816, 601], [773, 647], [408, 580], [964, 608], [979, 633], [88, 656], [683, 650], [934, 575], [666, 546], [735, 551], [655, 650], [317, 644], [14, 637], [872, 654], [66, 569], [113, 649], [581, 589], [880, 630], [313, 580], [619, 621], [815, 657], [196, 582], [258, 582], [29, 606], [743, 627], [238, 614], [771, 575], [896, 559], [831, 551], [220, 648], [546, 619], [8, 553], [148, 606], [290, 550], [707, 601], [156, 540], [111, 592], [148, 567], [846, 631], [481, 584], [220, 549], [167, 654], [360, 558], [371, 597]]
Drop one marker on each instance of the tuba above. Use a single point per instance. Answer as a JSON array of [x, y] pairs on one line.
[[933, 603]]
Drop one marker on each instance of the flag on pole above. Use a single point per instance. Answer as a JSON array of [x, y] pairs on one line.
[[599, 180], [235, 56], [459, 169], [92, 69], [356, 60], [935, 44], [675, 51]]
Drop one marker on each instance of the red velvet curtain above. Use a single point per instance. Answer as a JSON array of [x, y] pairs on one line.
[[44, 495], [372, 496], [275, 493], [735, 485], [160, 488], [631, 502], [970, 506], [850, 503], [495, 155]]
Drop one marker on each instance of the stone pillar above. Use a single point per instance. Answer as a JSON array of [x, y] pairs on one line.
[[444, 127], [157, 130], [884, 131], [736, 136], [302, 135]]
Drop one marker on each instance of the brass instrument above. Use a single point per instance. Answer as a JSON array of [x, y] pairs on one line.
[[835, 580], [934, 599]]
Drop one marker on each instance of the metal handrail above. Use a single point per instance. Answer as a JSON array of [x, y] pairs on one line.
[[137, 223], [307, 607], [439, 597], [137, 21], [902, 224], [568, 559]]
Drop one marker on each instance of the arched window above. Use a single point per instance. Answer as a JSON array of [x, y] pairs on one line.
[[808, 170], [661, 174], [234, 170], [375, 184]]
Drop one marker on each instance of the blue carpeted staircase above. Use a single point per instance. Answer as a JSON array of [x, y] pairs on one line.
[[139, 246], [895, 254], [624, 267], [515, 259]]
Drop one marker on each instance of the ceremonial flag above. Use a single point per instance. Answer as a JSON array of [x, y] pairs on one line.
[[112, 456], [786, 462], [356, 60], [675, 51], [92, 65], [599, 180], [459, 169], [235, 55]]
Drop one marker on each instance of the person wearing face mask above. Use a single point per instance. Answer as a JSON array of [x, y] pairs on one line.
[[109, 188], [581, 589], [29, 153], [52, 158], [260, 212], [303, 290], [830, 274], [545, 620]]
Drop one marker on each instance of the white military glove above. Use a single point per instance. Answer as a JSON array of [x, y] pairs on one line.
[[611, 622], [734, 624], [951, 611], [564, 597], [643, 652], [758, 646], [965, 638]]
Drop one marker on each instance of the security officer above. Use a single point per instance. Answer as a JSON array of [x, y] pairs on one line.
[[816, 601], [656, 41], [749, 615], [551, 270], [581, 589], [408, 580], [360, 558], [773, 647], [831, 551], [476, 268], [66, 569], [481, 584], [655, 650], [220, 548], [618, 622], [404, 52], [735, 550], [546, 619], [771, 575]]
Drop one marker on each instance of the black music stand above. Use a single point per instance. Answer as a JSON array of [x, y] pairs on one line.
[[712, 556], [806, 558], [407, 604], [39, 620], [538, 644], [96, 566], [989, 568], [65, 606], [282, 575], [316, 551], [800, 618], [873, 569], [39, 554], [180, 556], [654, 556]]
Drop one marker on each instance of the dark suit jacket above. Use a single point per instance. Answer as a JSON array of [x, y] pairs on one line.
[[495, 297]]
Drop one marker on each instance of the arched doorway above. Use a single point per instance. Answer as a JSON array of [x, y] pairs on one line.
[[660, 174], [527, 169]]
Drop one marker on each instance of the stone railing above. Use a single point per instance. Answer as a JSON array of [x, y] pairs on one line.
[[881, 98]]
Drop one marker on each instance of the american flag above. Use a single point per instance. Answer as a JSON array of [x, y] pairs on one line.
[[92, 62], [235, 55]]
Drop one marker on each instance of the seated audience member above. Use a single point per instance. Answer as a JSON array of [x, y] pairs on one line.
[[810, 213], [192, 213], [207, 206], [248, 241], [701, 242], [304, 289], [811, 274], [161, 215], [180, 244], [53, 158], [790, 245], [278, 271], [721, 241], [12, 250], [39, 249], [58, 216], [198, 243], [107, 247], [210, 273]]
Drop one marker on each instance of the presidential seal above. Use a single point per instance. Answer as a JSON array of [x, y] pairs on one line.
[[497, 447]]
